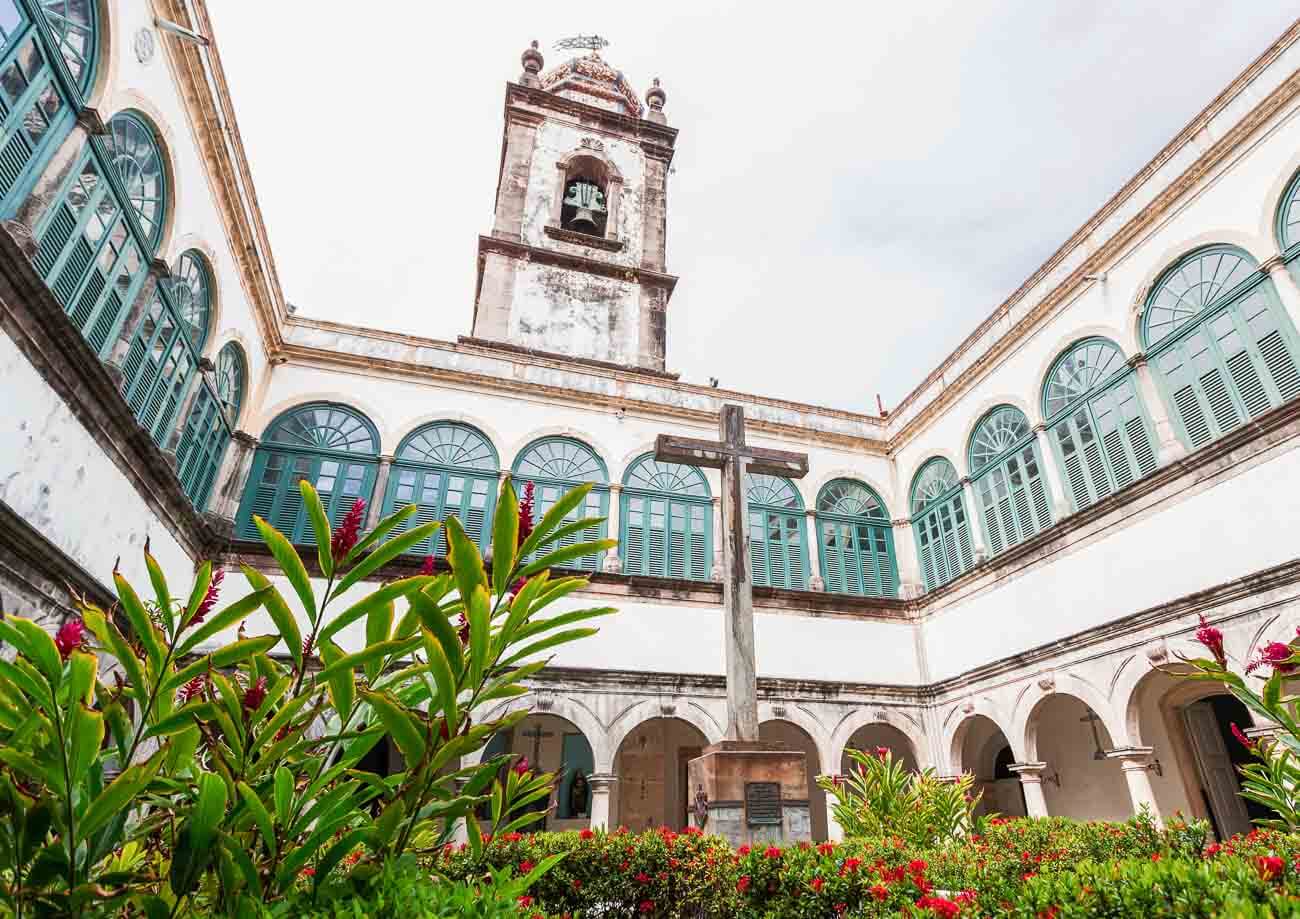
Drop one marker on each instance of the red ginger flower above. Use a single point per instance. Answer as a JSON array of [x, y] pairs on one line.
[[1212, 638], [210, 598], [816, 885], [70, 637], [255, 695], [743, 884], [526, 504], [348, 532], [882, 752], [1276, 655], [1269, 866], [521, 767], [1242, 738], [647, 906], [192, 690], [772, 852], [426, 567]]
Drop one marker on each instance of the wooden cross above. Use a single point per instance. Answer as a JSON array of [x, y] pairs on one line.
[[735, 458], [536, 735]]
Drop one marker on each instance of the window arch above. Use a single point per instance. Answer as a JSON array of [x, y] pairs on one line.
[[74, 24], [777, 532], [231, 379], [333, 446], [1006, 472], [587, 195], [159, 367], [1223, 349], [191, 288], [136, 157], [210, 425], [1100, 431], [446, 469], [555, 465], [943, 540], [666, 520], [857, 541], [1288, 219]]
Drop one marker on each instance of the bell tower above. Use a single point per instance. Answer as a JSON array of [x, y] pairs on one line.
[[574, 265]]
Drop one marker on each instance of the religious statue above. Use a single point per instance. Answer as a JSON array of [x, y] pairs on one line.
[[701, 807], [579, 796]]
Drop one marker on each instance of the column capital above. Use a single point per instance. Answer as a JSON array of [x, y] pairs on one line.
[[159, 268], [901, 522], [1029, 772], [965, 481], [615, 487], [386, 459], [1137, 360], [602, 781], [1040, 428], [1274, 263], [93, 122], [1132, 757], [244, 439]]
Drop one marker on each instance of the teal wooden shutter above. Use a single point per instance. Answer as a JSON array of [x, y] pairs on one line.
[[856, 541], [202, 446], [940, 525], [778, 555], [666, 520], [556, 465], [596, 505], [159, 368], [1013, 499], [34, 115]]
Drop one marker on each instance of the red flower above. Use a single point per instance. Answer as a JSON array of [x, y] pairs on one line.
[[426, 567], [772, 852], [521, 767], [1212, 638], [210, 598], [945, 909], [825, 848], [647, 906], [525, 514], [1155, 856], [525, 866], [850, 865], [192, 690], [586, 834], [743, 850], [525, 901], [917, 866], [882, 752], [348, 532], [70, 636], [816, 884], [1269, 866], [1213, 848], [307, 873], [577, 884], [743, 884], [1276, 655], [1242, 738], [880, 892], [255, 695], [642, 877]]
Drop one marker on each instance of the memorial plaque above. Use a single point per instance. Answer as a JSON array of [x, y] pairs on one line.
[[763, 803]]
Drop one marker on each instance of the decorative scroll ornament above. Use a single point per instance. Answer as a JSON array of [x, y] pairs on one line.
[[1047, 682]]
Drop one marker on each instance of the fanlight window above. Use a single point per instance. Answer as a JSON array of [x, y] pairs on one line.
[[1288, 217], [1007, 474], [555, 465], [192, 294], [447, 469], [332, 446], [231, 373], [136, 158], [75, 28], [943, 539], [777, 540], [666, 520], [1099, 428], [1230, 353], [857, 543]]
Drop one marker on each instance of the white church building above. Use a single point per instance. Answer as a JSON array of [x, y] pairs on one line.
[[983, 580]]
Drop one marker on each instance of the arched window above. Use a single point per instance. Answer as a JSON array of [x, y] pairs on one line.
[[210, 424], [943, 542], [447, 469], [75, 27], [333, 446], [191, 289], [1006, 470], [777, 537], [1222, 347], [133, 150], [666, 521], [555, 465], [159, 368], [1288, 219], [1099, 426], [857, 541]]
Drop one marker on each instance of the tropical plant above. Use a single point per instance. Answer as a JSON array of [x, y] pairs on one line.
[[228, 778], [881, 796]]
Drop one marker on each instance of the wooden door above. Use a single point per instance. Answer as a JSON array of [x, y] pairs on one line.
[[1218, 777]]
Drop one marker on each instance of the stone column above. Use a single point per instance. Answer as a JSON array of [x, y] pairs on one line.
[[909, 568], [233, 475], [974, 516], [602, 784], [1061, 507], [1031, 782], [613, 561], [613, 193], [715, 573], [816, 581], [1285, 285], [375, 513], [1136, 763], [173, 442], [116, 360], [1168, 447], [22, 226], [834, 832]]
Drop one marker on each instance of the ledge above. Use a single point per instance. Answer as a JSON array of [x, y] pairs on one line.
[[518, 250], [487, 344], [583, 239]]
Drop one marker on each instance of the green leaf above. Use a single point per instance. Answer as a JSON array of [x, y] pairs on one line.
[[290, 565], [261, 816], [382, 529], [480, 638], [202, 581], [505, 537], [541, 533], [129, 783], [108, 636], [388, 823], [160, 591], [368, 657], [241, 859], [385, 553], [405, 729], [236, 612], [209, 809], [36, 645], [557, 558], [442, 676], [81, 677], [466, 562], [36, 692], [285, 621], [141, 624], [183, 718], [379, 626], [559, 638], [87, 737], [228, 656], [329, 861], [340, 677], [283, 794], [385, 594], [320, 525], [435, 620]]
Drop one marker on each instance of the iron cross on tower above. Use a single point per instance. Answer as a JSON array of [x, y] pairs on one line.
[[734, 457]]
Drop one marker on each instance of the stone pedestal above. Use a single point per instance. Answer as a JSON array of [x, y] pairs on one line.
[[744, 807]]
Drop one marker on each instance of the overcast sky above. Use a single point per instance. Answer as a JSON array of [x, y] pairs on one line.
[[856, 185]]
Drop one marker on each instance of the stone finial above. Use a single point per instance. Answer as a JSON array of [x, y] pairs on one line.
[[655, 98], [532, 60]]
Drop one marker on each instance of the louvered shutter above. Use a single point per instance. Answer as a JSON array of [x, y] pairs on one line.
[[701, 524], [634, 551], [259, 495], [1264, 321]]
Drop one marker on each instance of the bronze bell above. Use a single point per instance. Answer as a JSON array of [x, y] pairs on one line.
[[588, 201]]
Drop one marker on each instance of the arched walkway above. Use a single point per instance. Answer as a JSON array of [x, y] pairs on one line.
[[981, 749], [652, 788], [870, 736], [553, 744], [796, 738], [1080, 780]]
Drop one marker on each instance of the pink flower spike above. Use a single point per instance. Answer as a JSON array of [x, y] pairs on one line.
[[526, 505], [255, 695], [1276, 655], [209, 598], [70, 637], [521, 767], [426, 568], [1243, 739], [1212, 638], [348, 532]]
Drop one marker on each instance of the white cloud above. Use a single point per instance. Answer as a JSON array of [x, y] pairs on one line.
[[856, 186]]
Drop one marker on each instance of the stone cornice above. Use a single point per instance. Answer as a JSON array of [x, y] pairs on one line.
[[519, 250], [522, 101]]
